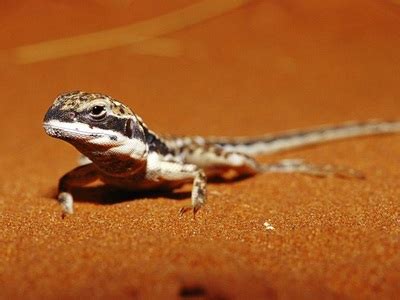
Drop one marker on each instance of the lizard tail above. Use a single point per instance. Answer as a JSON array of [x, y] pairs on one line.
[[273, 143]]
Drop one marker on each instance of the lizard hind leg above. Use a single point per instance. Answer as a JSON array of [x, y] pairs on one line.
[[300, 166], [246, 165]]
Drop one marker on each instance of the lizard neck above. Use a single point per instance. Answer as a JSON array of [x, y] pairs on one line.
[[112, 162], [156, 143]]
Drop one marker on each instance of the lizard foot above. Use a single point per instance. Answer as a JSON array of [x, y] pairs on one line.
[[187, 208], [300, 166], [67, 204], [338, 171]]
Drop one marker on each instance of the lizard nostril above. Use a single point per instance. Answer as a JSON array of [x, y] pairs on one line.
[[71, 115]]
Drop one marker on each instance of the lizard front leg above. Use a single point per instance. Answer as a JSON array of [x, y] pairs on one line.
[[173, 171], [199, 193], [77, 177]]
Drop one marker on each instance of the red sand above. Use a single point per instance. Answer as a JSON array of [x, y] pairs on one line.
[[268, 66]]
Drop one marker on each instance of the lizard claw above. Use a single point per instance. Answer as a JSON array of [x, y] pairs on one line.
[[187, 208]]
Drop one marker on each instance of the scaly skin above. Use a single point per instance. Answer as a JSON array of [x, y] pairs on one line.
[[120, 150]]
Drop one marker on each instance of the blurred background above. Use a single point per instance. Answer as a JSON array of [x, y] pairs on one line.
[[212, 67]]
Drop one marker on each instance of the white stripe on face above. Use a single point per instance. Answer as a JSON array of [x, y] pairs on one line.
[[78, 133]]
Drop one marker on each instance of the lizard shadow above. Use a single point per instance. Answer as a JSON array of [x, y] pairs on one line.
[[108, 195]]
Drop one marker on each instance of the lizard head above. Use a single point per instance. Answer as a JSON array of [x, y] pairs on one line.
[[97, 125]]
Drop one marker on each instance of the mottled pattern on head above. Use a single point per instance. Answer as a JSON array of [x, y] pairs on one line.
[[101, 128], [78, 101]]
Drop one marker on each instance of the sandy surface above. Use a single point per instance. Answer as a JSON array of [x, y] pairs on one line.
[[264, 67]]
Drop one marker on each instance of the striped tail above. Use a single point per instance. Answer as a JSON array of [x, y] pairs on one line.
[[300, 138]]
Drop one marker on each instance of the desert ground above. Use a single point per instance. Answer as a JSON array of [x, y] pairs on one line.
[[227, 68]]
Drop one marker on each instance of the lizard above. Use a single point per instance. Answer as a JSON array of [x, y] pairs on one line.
[[120, 150]]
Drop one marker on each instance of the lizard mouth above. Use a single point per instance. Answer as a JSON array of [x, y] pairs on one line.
[[89, 139], [70, 133]]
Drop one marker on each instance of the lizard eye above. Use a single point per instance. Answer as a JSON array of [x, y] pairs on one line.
[[98, 112]]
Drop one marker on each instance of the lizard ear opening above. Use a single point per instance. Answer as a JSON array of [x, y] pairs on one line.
[[133, 130], [129, 128]]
